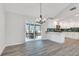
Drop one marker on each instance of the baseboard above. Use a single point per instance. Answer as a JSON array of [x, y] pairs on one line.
[[14, 44], [2, 49]]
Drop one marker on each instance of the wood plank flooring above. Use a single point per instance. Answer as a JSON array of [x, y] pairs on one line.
[[70, 41], [42, 48]]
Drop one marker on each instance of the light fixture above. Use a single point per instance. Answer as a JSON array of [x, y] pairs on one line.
[[73, 8], [40, 20], [55, 22]]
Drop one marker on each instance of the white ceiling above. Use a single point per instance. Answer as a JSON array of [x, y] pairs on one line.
[[33, 9], [61, 10]]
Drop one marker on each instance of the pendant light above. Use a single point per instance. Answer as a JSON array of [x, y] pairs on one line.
[[40, 20]]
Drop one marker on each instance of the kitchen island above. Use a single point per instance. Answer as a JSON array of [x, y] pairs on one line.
[[56, 36], [60, 36]]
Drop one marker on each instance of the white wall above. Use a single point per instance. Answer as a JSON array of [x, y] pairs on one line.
[[2, 29], [15, 29], [63, 23]]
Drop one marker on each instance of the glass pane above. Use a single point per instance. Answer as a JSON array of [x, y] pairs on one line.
[[32, 28], [37, 28], [27, 28]]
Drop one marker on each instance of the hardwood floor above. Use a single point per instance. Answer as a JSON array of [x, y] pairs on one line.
[[42, 48], [70, 41]]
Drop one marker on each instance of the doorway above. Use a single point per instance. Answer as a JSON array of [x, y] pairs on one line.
[[33, 32]]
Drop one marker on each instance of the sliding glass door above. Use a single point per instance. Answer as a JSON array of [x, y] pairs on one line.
[[37, 32], [33, 31]]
